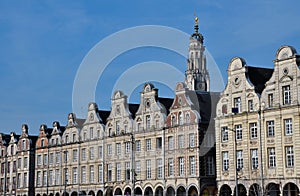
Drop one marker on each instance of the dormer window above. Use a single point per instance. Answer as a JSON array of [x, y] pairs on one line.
[[250, 105], [237, 104], [67, 139], [148, 122], [91, 133], [180, 117], [118, 128], [42, 143], [24, 144], [12, 150], [173, 120]]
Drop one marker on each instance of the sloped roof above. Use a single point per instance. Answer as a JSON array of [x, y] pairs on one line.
[[167, 102], [104, 114], [258, 77]]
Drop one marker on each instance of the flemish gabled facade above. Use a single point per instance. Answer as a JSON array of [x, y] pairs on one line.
[[257, 130]]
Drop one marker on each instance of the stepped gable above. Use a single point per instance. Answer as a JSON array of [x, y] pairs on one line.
[[258, 77]]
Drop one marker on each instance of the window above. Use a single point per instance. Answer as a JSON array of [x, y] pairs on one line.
[[286, 90], [148, 122], [250, 105], [224, 109], [173, 120], [83, 174], [19, 163], [180, 117], [92, 153], [272, 157], [181, 166], [92, 174], [148, 144], [50, 159], [75, 155], [57, 157], [254, 158], [139, 127], [127, 147], [239, 161], [39, 179], [170, 167], [138, 145], [253, 130], [289, 151], [66, 158], [148, 169], [127, 170], [100, 152], [270, 100], [109, 149], [118, 148], [158, 142], [51, 182], [181, 141], [25, 184], [239, 132], [66, 175], [224, 131], [237, 104], [210, 166], [100, 173], [225, 161], [288, 125], [192, 166], [45, 159], [91, 132], [39, 160], [74, 175], [156, 124], [187, 118], [57, 177], [118, 171], [109, 172], [270, 128], [138, 168], [192, 140], [171, 142], [67, 138], [44, 178], [159, 168], [118, 129], [83, 154]]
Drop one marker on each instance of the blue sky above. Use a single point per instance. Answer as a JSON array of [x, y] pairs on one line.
[[44, 42]]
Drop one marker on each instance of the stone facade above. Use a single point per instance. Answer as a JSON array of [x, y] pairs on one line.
[[257, 128], [161, 146]]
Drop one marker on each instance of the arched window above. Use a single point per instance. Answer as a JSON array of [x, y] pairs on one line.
[[180, 117], [173, 120], [187, 118]]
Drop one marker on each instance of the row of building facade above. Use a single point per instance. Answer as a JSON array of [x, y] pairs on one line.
[[242, 141]]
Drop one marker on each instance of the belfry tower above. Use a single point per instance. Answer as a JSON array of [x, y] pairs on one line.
[[196, 75]]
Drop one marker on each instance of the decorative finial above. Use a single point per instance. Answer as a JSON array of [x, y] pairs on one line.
[[196, 19]]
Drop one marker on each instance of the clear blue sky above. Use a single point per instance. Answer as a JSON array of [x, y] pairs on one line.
[[42, 44]]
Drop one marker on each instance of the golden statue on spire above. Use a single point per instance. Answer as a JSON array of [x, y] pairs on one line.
[[196, 19]]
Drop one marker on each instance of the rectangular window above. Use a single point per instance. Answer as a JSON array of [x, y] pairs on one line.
[[224, 131], [50, 159], [192, 166], [148, 122], [250, 105], [57, 177], [254, 158], [237, 104], [51, 178], [181, 166], [289, 151], [148, 169], [127, 147], [74, 175], [138, 168], [148, 144], [83, 154], [100, 152], [83, 174], [225, 161], [270, 100], [171, 167], [127, 170], [39, 179], [25, 180], [272, 157], [253, 130], [100, 173], [45, 159], [75, 155], [118, 148], [109, 172], [288, 126], [159, 168], [192, 140], [66, 172], [57, 157], [92, 153], [239, 160], [92, 174], [45, 178], [286, 90], [109, 149], [39, 160], [118, 129], [270, 128], [210, 166], [239, 132], [181, 141], [138, 145], [158, 143], [19, 182], [19, 163], [118, 171], [92, 133], [171, 142]]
